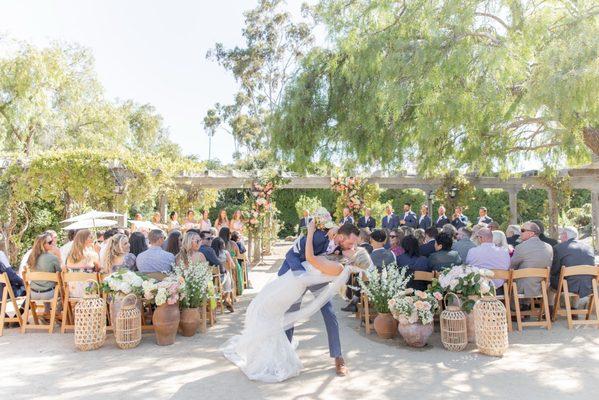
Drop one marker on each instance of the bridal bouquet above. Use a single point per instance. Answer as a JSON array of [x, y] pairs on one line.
[[124, 281], [468, 282], [323, 219], [382, 287], [197, 278], [410, 306]]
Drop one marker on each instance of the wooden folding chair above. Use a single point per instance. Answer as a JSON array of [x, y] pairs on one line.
[[423, 276], [543, 274], [562, 289], [8, 294], [68, 302], [506, 275], [244, 268], [31, 304], [218, 289]]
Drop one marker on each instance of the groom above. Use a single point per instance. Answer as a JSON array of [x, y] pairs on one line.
[[345, 238]]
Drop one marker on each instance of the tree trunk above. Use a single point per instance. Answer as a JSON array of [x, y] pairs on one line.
[[591, 138]]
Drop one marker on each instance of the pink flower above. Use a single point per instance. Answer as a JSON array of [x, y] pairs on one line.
[[438, 296]]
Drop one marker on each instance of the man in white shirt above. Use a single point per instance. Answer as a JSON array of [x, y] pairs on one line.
[[488, 256]]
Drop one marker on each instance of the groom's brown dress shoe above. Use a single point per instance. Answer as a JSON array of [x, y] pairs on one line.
[[340, 367]]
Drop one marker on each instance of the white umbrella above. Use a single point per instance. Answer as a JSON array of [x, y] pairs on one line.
[[143, 224], [93, 215], [90, 223]]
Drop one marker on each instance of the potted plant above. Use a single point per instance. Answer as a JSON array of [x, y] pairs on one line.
[[469, 284], [166, 317], [197, 278], [414, 310], [121, 283], [380, 288]]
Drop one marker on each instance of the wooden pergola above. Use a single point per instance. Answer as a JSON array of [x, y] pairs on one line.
[[580, 178]]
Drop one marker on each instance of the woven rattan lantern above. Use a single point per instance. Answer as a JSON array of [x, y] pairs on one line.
[[491, 326], [90, 321], [128, 324], [453, 326]]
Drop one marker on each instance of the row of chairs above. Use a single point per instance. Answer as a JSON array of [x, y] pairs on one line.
[[539, 305], [62, 293]]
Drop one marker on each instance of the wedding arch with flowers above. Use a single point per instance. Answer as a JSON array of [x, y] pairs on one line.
[[354, 192]]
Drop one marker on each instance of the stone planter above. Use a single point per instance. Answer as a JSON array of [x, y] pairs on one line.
[[166, 322], [189, 322], [385, 325], [415, 335]]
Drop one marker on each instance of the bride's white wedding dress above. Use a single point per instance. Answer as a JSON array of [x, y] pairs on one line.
[[262, 351]]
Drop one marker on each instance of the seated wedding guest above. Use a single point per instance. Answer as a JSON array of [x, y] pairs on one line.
[[531, 253], [380, 256], [489, 256], [230, 246], [493, 226], [409, 217], [206, 249], [225, 266], [155, 259], [420, 236], [118, 255], [107, 235], [459, 219], [366, 221], [236, 224], [173, 221], [569, 253], [483, 218], [395, 238], [16, 283], [205, 223], [512, 233], [443, 257], [221, 220], [137, 243], [364, 240], [412, 259], [463, 244], [389, 221], [500, 240], [55, 249], [303, 222], [428, 247], [424, 221], [544, 238], [190, 220], [65, 249], [450, 230], [41, 259], [82, 258], [407, 231], [442, 219], [475, 230], [347, 217], [190, 249], [173, 242]]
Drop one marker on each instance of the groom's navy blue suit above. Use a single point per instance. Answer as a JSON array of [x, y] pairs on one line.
[[293, 261]]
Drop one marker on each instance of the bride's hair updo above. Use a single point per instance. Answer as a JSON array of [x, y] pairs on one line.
[[361, 259]]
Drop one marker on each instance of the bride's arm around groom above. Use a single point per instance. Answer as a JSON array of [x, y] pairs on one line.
[[297, 253], [327, 267]]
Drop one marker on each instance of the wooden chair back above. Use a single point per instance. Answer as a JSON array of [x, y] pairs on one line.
[[31, 304], [159, 276], [542, 314], [8, 295], [563, 290], [423, 276], [506, 275], [68, 304]]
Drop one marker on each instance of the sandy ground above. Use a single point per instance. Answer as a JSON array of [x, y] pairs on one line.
[[538, 365]]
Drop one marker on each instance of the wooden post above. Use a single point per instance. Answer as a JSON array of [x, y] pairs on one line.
[[595, 220], [162, 207], [513, 198], [551, 229]]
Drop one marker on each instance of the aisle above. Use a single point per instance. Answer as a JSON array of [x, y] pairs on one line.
[[539, 364]]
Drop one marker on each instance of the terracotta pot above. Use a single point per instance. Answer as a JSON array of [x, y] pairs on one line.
[[115, 306], [415, 335], [166, 322], [190, 321], [385, 325]]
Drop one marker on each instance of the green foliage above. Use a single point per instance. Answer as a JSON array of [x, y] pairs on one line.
[[286, 200], [307, 203]]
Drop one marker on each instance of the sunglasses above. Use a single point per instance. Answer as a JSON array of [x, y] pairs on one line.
[[50, 242], [197, 241], [392, 236], [524, 230]]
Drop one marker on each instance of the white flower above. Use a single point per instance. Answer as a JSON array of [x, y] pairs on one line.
[[453, 284], [484, 287]]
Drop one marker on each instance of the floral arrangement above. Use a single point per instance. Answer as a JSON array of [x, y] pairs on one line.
[[322, 219], [350, 189], [382, 287], [465, 281], [125, 281], [168, 291], [196, 282], [410, 306]]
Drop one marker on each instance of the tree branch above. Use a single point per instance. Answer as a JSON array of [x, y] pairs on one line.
[[495, 17]]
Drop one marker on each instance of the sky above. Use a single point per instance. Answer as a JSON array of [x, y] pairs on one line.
[[149, 51]]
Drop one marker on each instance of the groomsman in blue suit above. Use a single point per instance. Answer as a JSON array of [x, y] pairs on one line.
[[390, 221], [346, 238], [304, 221], [409, 217], [483, 217], [367, 221], [442, 219], [459, 219], [424, 222], [347, 217]]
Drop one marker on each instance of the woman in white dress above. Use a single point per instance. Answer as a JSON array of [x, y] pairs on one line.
[[262, 351]]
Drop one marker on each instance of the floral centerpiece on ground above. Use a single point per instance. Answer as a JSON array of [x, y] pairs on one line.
[[469, 283], [124, 281], [196, 279], [382, 287], [168, 291], [415, 310]]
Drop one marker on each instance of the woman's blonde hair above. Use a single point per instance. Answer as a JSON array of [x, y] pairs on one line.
[[37, 249], [186, 246], [115, 248], [77, 252]]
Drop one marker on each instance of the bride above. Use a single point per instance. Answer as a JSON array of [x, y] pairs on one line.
[[262, 351]]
